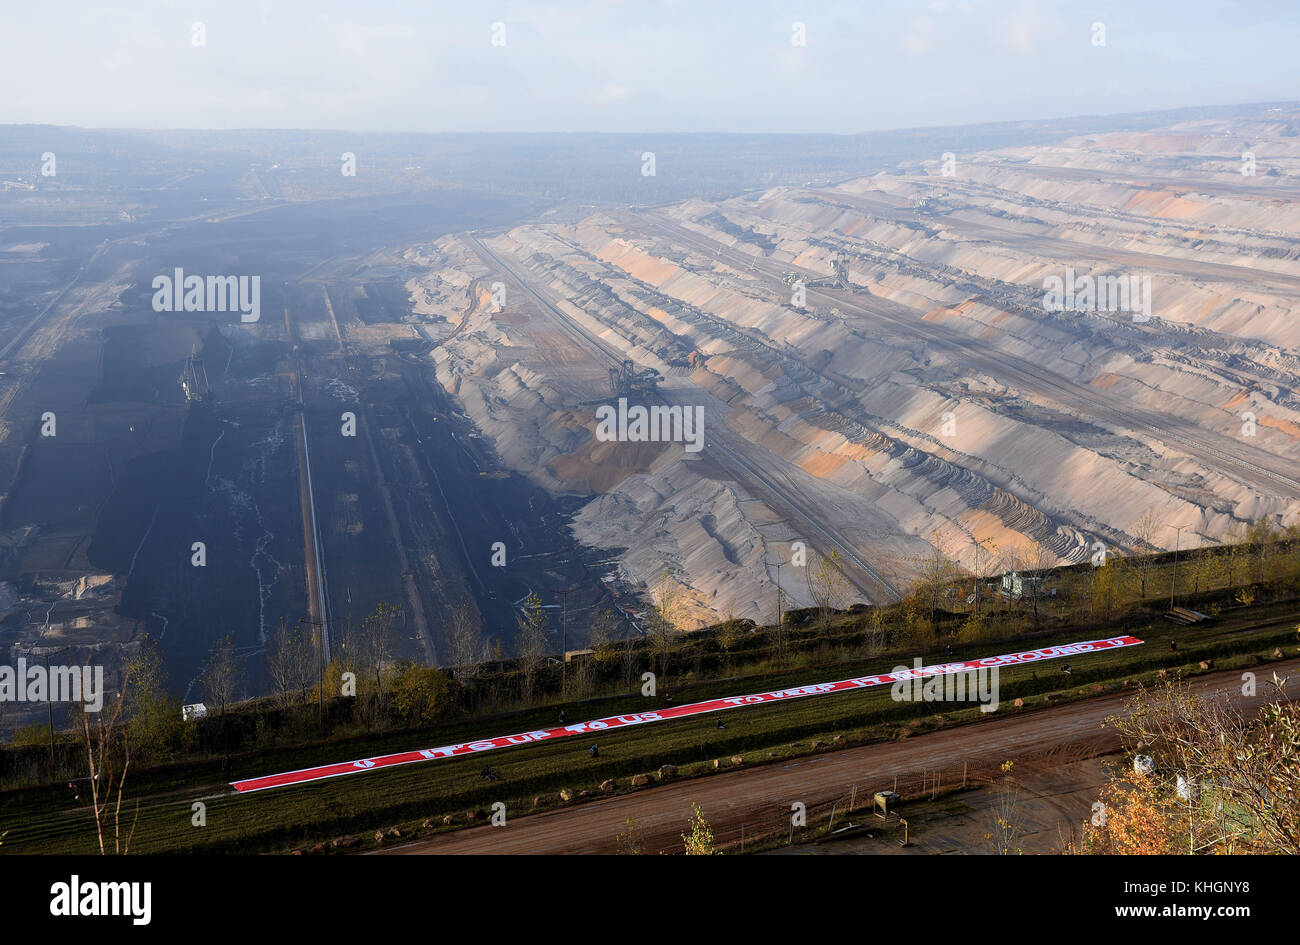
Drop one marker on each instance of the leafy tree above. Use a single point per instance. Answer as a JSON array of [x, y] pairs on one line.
[[420, 694], [698, 838], [1006, 826], [153, 717], [730, 632], [631, 841], [1225, 780]]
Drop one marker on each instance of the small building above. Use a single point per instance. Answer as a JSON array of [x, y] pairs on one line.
[[196, 710], [1016, 585]]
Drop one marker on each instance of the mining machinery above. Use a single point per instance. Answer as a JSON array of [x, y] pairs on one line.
[[194, 380], [839, 277], [626, 380]]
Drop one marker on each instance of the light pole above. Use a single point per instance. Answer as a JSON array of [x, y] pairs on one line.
[[564, 636], [780, 616], [1178, 534]]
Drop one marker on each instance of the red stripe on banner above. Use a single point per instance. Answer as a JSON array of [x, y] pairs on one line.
[[672, 712]]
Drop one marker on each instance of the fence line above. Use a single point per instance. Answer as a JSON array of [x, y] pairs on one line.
[[858, 799]]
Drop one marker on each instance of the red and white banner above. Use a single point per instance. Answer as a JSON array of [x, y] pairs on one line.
[[672, 712]]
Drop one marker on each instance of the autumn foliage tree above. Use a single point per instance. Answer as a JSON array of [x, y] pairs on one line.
[[1225, 779], [698, 838]]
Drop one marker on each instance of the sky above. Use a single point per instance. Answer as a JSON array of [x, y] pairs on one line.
[[632, 65]]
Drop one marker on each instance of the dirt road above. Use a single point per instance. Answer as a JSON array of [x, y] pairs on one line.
[[749, 795]]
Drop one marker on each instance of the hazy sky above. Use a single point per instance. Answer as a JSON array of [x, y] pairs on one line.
[[384, 65]]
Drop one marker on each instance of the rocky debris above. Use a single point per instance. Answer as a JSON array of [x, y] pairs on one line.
[[566, 795], [1206, 664], [607, 785], [345, 843], [667, 772], [640, 780]]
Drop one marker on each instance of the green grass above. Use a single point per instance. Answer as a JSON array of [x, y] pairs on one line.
[[48, 820]]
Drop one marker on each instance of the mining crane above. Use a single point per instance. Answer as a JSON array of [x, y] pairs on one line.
[[626, 380]]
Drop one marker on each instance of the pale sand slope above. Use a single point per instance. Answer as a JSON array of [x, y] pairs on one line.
[[843, 404]]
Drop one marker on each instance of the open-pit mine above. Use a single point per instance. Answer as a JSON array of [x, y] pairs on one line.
[[686, 391], [882, 370]]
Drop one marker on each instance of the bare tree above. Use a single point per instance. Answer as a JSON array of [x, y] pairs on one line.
[[1145, 530], [986, 562], [1041, 560], [532, 642], [601, 636], [290, 659], [108, 759], [629, 661], [465, 644], [667, 613], [1012, 558], [223, 674], [376, 643], [827, 586]]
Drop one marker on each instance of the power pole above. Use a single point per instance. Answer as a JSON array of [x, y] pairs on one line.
[[49, 702], [564, 640]]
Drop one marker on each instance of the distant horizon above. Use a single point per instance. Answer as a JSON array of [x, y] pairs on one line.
[[1228, 106]]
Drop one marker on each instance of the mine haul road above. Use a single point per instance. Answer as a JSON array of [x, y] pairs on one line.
[[766, 791]]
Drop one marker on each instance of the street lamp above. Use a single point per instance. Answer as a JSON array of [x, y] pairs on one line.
[[1178, 534]]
